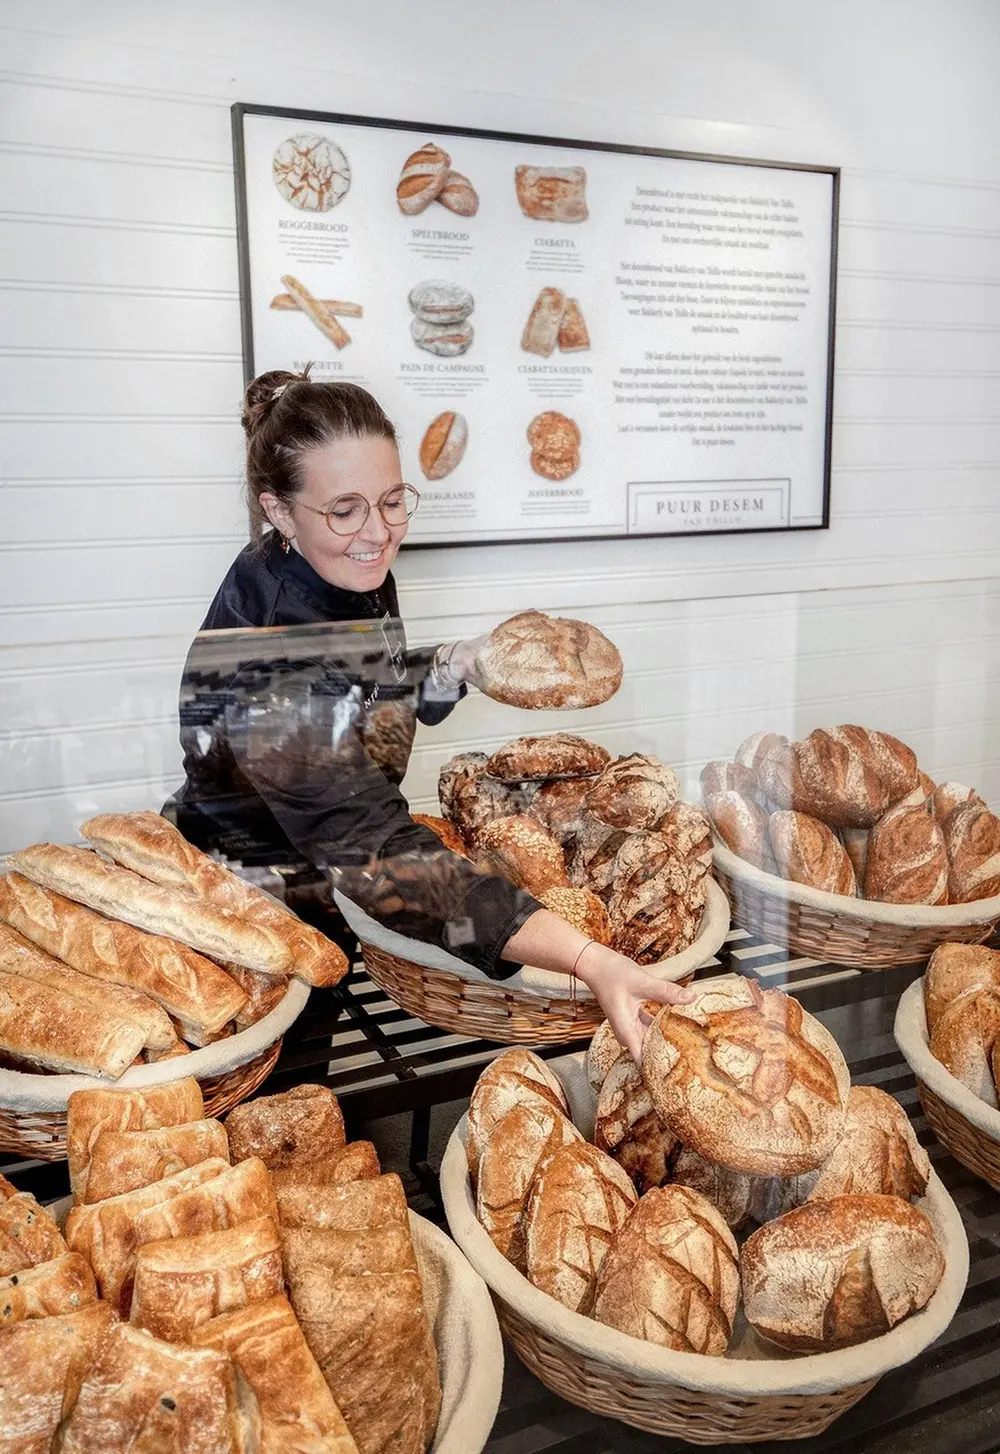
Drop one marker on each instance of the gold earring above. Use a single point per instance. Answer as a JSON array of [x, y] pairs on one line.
[[285, 544]]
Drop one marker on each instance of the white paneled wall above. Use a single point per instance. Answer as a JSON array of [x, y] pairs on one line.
[[120, 373]]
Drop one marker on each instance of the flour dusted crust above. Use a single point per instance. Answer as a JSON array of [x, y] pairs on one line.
[[438, 301], [688, 833], [721, 777], [552, 194], [516, 1075], [558, 806], [311, 172], [28, 1235], [574, 336], [558, 754], [633, 792], [964, 1038], [541, 332], [124, 1161], [834, 1273], [748, 1079], [57, 1286], [846, 776], [628, 1128], [44, 1361], [657, 899], [470, 799], [808, 852], [878, 1153], [459, 195], [906, 861], [954, 969], [544, 662], [972, 837], [579, 1200], [443, 445], [446, 340], [301, 1124], [517, 1147], [456, 778], [423, 178], [672, 1275], [742, 826], [946, 797], [730, 1192], [602, 1052]]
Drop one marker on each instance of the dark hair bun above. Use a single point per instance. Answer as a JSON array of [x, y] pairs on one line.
[[263, 393]]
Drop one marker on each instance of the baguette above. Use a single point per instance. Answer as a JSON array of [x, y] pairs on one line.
[[149, 845], [199, 995], [313, 308], [91, 1112], [19, 956], [38, 1028], [80, 874], [337, 306]]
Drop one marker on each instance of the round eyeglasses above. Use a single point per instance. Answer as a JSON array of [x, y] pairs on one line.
[[349, 514]]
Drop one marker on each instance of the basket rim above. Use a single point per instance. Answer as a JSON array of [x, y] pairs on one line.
[[711, 936], [871, 911], [910, 1033], [24, 1092], [813, 1373]]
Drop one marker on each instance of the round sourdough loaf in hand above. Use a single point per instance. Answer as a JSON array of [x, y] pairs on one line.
[[963, 1041], [972, 838], [579, 1200], [602, 1052], [516, 1148], [633, 792], [878, 1153], [558, 806], [524, 852], [580, 908], [949, 796], [906, 861], [447, 832], [721, 777], [671, 1276], [835, 1273], [627, 1127], [954, 969], [514, 1077], [560, 754], [747, 1078], [808, 852], [742, 826], [548, 662]]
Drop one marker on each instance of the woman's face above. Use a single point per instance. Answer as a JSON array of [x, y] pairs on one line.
[[368, 467]]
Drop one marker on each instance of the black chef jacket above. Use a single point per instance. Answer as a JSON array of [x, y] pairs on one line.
[[282, 729]]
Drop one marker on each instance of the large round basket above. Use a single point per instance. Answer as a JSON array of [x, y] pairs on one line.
[[837, 929], [529, 1008], [33, 1107], [755, 1393], [967, 1126]]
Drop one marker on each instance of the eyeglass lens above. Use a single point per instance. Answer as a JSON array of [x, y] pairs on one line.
[[350, 512]]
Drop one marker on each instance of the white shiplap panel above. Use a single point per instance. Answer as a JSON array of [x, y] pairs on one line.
[[102, 185], [118, 254], [92, 315]]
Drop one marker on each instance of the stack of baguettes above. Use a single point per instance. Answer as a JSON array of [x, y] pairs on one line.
[[137, 948], [220, 1289], [742, 1113]]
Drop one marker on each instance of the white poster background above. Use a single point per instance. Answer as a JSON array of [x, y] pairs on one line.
[[705, 286]]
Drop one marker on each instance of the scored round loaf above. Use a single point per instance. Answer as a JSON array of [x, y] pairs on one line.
[[878, 1153], [954, 969], [578, 1202], [515, 1076], [742, 826], [548, 662], [447, 832], [456, 778], [595, 854], [558, 806], [441, 303], [845, 776], [907, 862], [963, 1041], [972, 838], [524, 852], [834, 1273], [517, 1146], [560, 754], [688, 833], [808, 852], [422, 178], [627, 1127], [747, 1078], [633, 792], [721, 777], [470, 799], [580, 908], [671, 1276], [949, 796], [602, 1052]]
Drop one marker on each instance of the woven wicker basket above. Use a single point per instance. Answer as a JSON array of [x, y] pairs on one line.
[[839, 930], [33, 1107], [967, 1126], [528, 1008], [753, 1394]]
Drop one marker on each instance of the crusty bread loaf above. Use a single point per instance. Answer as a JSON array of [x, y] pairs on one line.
[[742, 825], [972, 838], [44, 1026], [657, 899], [595, 854], [447, 832], [357, 1161], [541, 332], [297, 1126], [89, 1112], [753, 749], [687, 831], [963, 1041], [182, 1282], [602, 1052], [578, 1202], [263, 994], [145, 1396], [834, 1273], [197, 993], [724, 777], [443, 444], [470, 799], [152, 847], [628, 1128], [80, 874], [946, 797], [124, 1161], [517, 1147], [558, 806], [459, 195], [855, 841], [671, 1276], [808, 852], [878, 1153], [559, 754], [424, 175], [845, 776], [59, 1285], [44, 1362], [545, 662], [907, 862], [580, 908], [633, 792], [516, 1075], [552, 194], [291, 1408], [747, 1078], [239, 1193], [954, 969], [730, 1192], [28, 1235], [524, 852]]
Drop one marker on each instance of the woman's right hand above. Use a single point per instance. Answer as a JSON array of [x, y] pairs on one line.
[[623, 988]]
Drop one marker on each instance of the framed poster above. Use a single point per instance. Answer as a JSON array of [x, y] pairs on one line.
[[575, 340]]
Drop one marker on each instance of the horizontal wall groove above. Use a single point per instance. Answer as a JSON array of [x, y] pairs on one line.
[[894, 275], [116, 158], [127, 354], [121, 290], [45, 81], [867, 224], [118, 784], [118, 224]]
